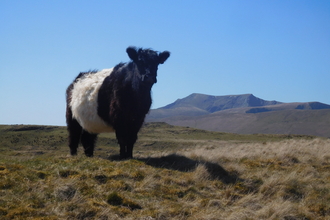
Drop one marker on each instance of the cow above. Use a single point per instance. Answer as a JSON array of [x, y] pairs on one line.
[[112, 100]]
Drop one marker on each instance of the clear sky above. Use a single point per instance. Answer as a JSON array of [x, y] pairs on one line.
[[274, 49]]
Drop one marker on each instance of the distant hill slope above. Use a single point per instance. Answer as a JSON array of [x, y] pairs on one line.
[[245, 114], [217, 103], [200, 104]]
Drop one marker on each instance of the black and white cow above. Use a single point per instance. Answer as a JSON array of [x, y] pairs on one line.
[[112, 100]]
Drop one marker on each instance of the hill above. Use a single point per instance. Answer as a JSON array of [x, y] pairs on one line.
[[245, 114], [200, 104], [217, 103], [177, 173]]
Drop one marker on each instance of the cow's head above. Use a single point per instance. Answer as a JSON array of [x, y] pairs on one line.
[[147, 61]]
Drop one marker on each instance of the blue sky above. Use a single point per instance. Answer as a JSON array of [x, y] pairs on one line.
[[276, 49]]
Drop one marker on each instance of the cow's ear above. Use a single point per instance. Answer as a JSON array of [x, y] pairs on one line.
[[132, 53], [163, 56]]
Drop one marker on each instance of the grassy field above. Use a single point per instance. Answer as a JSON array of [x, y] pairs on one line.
[[177, 173]]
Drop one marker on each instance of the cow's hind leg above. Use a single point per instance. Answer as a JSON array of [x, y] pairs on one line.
[[88, 141], [74, 130]]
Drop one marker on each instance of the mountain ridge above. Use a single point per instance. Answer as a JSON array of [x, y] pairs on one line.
[[245, 114], [217, 103]]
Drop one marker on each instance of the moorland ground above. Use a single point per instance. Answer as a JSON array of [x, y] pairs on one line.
[[177, 173]]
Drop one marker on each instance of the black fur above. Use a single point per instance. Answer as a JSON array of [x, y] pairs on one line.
[[81, 74], [123, 101]]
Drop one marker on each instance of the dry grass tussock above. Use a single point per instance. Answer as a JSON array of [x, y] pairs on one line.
[[286, 179]]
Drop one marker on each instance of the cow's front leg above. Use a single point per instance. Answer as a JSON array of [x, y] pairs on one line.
[[122, 151], [122, 143]]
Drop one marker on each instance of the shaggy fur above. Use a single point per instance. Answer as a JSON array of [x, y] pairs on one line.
[[84, 101], [114, 99]]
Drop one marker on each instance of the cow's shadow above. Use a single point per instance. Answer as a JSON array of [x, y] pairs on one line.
[[185, 164]]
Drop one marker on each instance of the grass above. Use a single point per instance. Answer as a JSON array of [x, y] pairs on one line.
[[177, 173]]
